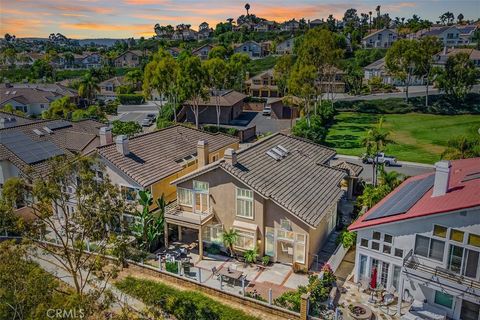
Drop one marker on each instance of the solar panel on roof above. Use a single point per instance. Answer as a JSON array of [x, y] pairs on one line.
[[28, 150], [59, 124], [274, 155], [403, 199]]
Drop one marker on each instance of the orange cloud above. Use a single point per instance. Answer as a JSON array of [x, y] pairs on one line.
[[106, 27], [73, 15], [144, 2]]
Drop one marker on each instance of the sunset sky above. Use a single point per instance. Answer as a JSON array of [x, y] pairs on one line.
[[136, 18]]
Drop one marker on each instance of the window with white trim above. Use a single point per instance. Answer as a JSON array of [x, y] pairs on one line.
[[200, 186], [244, 203], [429, 247], [185, 197], [129, 193], [245, 239], [300, 248]]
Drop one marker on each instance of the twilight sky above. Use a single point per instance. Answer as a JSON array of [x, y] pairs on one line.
[[136, 18]]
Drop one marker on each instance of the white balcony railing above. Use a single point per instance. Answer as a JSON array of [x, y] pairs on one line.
[[174, 212]]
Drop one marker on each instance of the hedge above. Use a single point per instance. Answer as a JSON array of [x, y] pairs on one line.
[[215, 129], [184, 305], [131, 98], [438, 104]]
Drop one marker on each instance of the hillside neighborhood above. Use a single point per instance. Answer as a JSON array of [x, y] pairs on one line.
[[316, 167]]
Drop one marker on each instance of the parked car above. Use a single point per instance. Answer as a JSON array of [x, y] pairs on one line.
[[147, 122], [151, 116], [381, 158], [267, 110]]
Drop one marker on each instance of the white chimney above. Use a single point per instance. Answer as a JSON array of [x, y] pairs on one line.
[[202, 153], [105, 136], [442, 178], [230, 156], [122, 144]]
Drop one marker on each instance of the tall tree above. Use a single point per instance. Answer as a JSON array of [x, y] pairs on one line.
[[60, 109], [247, 7], [281, 72], [401, 59], [88, 214], [237, 70], [216, 80], [375, 141], [134, 77], [193, 78], [458, 76], [427, 47], [88, 87]]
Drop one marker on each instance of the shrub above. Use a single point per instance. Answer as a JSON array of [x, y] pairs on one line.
[[265, 260], [251, 255], [290, 300], [130, 98], [171, 266], [215, 129], [347, 239], [184, 305], [255, 296]]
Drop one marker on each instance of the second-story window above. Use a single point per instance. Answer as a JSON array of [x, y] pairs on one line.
[[185, 197], [129, 193], [245, 203], [429, 248]]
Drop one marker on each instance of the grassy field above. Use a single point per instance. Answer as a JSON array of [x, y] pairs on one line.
[[417, 137], [256, 66]]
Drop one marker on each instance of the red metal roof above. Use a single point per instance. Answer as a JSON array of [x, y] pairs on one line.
[[463, 192]]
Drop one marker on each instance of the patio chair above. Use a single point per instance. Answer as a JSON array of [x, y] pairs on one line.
[[215, 272]]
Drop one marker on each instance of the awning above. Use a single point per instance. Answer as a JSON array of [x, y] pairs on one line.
[[245, 225]]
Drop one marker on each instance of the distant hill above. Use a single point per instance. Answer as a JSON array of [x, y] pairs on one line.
[[83, 42]]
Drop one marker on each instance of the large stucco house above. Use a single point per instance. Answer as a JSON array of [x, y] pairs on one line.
[[279, 194], [423, 239]]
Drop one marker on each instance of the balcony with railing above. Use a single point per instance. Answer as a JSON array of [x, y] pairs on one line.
[[176, 215], [414, 266]]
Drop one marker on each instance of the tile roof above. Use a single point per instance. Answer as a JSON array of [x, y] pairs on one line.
[[376, 65], [463, 192], [153, 155], [76, 138], [34, 93], [379, 31], [352, 169], [227, 98], [19, 120], [301, 182]]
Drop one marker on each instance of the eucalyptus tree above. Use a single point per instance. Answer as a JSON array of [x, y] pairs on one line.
[[427, 48], [216, 80], [401, 60]]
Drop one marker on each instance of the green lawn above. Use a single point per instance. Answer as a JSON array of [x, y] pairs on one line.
[[417, 137], [255, 66]]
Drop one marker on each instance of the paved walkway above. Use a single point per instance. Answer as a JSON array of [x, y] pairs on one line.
[[45, 262]]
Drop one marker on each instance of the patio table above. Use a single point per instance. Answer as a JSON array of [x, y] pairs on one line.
[[229, 273]]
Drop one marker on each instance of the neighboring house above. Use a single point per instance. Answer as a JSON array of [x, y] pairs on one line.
[[264, 26], [8, 120], [448, 35], [286, 47], [183, 32], [91, 60], [281, 109], [424, 241], [262, 85], [279, 194], [252, 48], [204, 31], [290, 26], [466, 34], [230, 102], [203, 51], [108, 88], [315, 23], [332, 80], [380, 39], [441, 58], [174, 51], [27, 58], [25, 147], [33, 99], [151, 161], [378, 69], [246, 25], [130, 59]]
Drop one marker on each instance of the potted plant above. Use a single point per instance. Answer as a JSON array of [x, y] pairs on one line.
[[266, 260]]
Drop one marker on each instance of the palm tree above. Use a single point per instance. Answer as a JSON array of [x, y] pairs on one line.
[[134, 77], [229, 238], [370, 21], [391, 179], [247, 7], [88, 87], [375, 142], [462, 148]]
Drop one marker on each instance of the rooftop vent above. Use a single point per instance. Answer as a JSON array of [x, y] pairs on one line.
[[278, 153], [38, 132], [48, 130]]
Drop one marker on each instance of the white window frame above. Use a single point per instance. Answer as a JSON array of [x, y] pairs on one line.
[[300, 243], [124, 188], [246, 199], [245, 234], [179, 199]]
